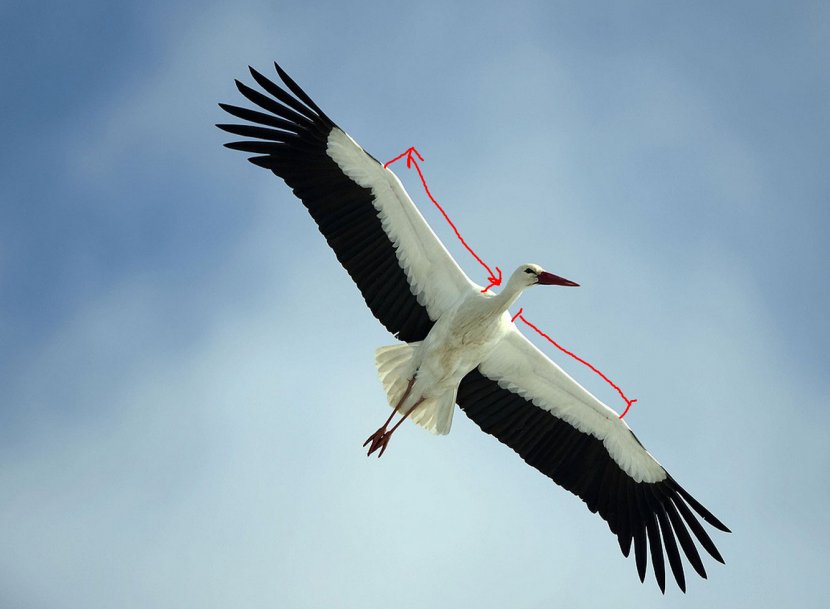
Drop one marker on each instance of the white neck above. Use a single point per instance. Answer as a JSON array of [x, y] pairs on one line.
[[511, 292]]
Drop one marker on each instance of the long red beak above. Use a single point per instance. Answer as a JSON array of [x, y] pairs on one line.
[[546, 278]]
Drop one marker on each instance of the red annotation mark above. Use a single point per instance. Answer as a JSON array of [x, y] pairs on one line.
[[494, 279], [628, 402]]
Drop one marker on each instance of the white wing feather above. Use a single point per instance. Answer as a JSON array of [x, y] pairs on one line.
[[518, 366], [434, 277]]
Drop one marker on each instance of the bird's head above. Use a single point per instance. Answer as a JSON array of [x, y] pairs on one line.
[[533, 274]]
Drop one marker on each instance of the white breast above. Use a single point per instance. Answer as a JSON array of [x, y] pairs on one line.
[[458, 342]]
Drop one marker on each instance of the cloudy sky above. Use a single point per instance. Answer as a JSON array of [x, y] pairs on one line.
[[186, 373]]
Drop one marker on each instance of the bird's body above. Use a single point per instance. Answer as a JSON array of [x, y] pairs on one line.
[[459, 344], [459, 341]]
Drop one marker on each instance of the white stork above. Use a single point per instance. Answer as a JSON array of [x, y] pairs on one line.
[[459, 345]]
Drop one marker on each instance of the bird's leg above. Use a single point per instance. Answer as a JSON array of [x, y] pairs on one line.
[[378, 435], [383, 440]]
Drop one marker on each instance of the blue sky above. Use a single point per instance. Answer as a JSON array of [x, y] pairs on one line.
[[186, 374]]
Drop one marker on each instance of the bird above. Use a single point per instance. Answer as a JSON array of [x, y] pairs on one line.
[[457, 344]]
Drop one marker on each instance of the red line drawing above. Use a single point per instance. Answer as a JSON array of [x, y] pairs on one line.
[[494, 279], [628, 402]]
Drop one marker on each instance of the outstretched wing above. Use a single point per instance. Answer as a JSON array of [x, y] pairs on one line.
[[402, 269], [530, 404]]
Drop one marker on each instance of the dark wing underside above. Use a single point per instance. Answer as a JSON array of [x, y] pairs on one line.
[[290, 139], [655, 516]]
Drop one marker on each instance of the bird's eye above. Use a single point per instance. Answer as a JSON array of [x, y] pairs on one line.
[[528, 270]]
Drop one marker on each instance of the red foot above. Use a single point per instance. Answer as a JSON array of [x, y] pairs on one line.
[[378, 440]]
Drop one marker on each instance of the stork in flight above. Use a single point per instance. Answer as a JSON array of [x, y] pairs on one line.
[[459, 345]]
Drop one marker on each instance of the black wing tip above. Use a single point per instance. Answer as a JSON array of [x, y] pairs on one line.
[[708, 516], [625, 544], [717, 524], [716, 555], [262, 161], [298, 91], [282, 73], [243, 146], [257, 76], [722, 527], [679, 576], [242, 87], [230, 108]]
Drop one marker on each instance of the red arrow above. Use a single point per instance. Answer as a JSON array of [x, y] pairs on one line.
[[495, 278], [628, 402], [410, 154]]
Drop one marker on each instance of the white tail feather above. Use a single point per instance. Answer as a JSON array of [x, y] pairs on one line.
[[396, 366]]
